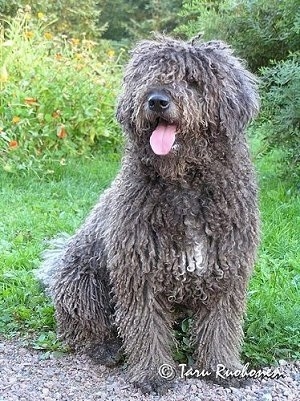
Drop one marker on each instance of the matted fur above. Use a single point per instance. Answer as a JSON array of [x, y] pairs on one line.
[[179, 229]]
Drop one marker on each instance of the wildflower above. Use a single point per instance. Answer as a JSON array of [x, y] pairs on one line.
[[13, 144], [61, 132], [30, 101], [48, 36], [58, 56], [27, 10], [56, 114], [16, 119], [3, 74], [40, 117], [88, 43], [41, 15], [28, 34], [111, 53], [75, 42]]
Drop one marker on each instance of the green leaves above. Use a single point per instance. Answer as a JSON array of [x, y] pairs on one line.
[[281, 101], [259, 30], [57, 97]]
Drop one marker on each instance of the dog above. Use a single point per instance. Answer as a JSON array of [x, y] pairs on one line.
[[179, 225]]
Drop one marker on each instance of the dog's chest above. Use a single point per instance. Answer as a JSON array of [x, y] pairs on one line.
[[190, 266], [187, 233], [182, 243], [185, 283], [193, 259]]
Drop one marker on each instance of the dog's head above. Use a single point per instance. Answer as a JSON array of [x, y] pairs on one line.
[[177, 95]]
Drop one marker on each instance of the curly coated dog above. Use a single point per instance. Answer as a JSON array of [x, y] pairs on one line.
[[178, 228]]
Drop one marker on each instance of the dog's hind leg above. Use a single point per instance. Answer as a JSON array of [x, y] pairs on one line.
[[76, 277]]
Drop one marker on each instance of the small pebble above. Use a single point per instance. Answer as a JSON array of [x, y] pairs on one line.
[[266, 397], [45, 391]]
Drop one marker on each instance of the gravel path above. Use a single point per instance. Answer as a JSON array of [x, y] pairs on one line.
[[29, 375]]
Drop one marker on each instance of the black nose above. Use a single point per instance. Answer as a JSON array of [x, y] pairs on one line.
[[158, 101]]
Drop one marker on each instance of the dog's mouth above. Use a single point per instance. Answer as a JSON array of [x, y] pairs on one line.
[[163, 137]]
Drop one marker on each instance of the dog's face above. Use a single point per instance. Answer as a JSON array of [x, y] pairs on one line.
[[177, 95]]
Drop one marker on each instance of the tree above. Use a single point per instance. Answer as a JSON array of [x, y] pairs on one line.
[[135, 19]]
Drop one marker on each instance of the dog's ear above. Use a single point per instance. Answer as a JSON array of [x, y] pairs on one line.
[[227, 85], [124, 112]]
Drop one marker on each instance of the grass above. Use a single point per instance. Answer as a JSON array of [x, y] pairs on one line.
[[273, 320], [36, 208]]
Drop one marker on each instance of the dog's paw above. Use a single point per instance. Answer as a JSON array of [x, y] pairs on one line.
[[154, 385], [108, 353]]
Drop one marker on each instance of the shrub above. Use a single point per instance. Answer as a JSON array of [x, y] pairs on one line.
[[56, 96], [72, 17], [281, 111], [260, 30]]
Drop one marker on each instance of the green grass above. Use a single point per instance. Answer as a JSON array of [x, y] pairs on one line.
[[273, 319], [36, 208]]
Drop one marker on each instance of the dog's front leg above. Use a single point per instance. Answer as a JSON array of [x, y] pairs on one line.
[[218, 333], [144, 322]]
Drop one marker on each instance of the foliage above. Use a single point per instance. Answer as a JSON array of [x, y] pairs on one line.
[[77, 18], [56, 95], [9, 7], [135, 19], [260, 30], [183, 352], [281, 111]]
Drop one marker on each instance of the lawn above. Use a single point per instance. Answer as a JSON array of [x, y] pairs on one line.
[[35, 208], [273, 320]]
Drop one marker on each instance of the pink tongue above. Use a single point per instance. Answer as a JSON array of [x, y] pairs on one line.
[[162, 139]]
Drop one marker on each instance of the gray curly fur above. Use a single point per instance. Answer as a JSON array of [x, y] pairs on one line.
[[180, 229]]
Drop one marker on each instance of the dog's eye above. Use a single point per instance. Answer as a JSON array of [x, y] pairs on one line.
[[195, 85]]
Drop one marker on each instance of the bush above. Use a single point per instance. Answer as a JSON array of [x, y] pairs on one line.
[[72, 17], [56, 96], [260, 30], [281, 110]]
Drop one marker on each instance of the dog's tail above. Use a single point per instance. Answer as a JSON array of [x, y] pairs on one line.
[[51, 261]]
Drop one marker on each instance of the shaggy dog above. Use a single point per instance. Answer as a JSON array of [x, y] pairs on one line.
[[178, 228]]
